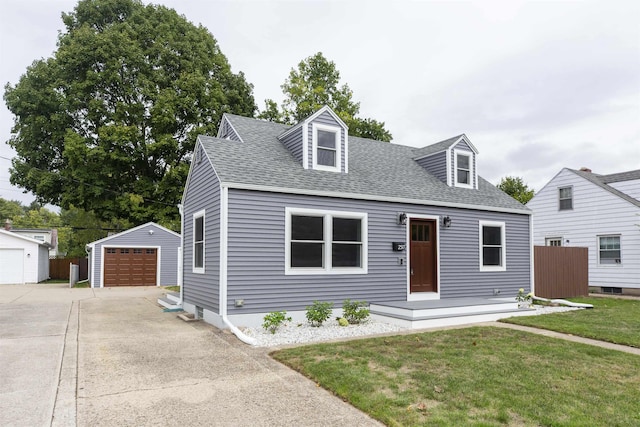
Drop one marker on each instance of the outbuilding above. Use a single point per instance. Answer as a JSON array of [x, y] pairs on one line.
[[22, 259], [146, 255]]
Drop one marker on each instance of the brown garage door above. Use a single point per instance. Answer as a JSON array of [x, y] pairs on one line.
[[130, 266]]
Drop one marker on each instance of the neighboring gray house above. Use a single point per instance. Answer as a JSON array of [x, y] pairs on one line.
[[276, 216], [146, 255], [600, 212]]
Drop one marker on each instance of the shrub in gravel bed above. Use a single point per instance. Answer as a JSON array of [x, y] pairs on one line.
[[319, 312]]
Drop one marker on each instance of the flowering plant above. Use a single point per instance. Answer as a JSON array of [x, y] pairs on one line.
[[522, 297]]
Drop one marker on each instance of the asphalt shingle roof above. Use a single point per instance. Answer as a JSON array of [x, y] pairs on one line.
[[376, 170], [435, 148], [602, 181]]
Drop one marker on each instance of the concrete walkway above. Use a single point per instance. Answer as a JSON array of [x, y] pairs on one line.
[[110, 357], [567, 337]]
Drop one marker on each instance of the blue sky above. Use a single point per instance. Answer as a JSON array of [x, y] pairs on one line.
[[536, 86]]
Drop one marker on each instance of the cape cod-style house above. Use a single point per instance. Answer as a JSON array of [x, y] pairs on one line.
[[277, 216], [600, 212]]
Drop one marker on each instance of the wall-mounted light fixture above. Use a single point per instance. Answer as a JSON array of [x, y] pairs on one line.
[[402, 218], [150, 232], [446, 222]]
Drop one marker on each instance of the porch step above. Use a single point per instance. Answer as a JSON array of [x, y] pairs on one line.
[[446, 312], [417, 310], [448, 320], [173, 296], [169, 303]]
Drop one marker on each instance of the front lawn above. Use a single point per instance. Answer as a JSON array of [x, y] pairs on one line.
[[614, 320], [480, 376]]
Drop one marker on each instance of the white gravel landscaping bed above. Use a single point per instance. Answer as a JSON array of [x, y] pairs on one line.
[[293, 333]]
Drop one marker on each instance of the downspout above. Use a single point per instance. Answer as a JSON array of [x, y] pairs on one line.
[[224, 235], [181, 269]]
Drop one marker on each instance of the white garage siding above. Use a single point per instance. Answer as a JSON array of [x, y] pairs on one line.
[[11, 266]]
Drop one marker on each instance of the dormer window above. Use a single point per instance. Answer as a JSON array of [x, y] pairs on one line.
[[326, 147], [463, 169]]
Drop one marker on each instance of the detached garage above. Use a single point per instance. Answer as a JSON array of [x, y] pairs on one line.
[[22, 259], [146, 255]]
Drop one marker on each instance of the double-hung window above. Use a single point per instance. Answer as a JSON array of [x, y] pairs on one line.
[[326, 147], [198, 242], [463, 169], [325, 242], [493, 248], [609, 250], [565, 198]]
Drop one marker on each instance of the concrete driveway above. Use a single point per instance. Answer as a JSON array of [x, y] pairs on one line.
[[113, 357]]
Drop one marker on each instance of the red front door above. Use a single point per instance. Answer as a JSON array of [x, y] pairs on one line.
[[423, 253]]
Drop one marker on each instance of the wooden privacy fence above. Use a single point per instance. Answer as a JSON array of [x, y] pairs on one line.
[[59, 268], [561, 272]]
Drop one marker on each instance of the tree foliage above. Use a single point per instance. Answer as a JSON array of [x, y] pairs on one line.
[[108, 123], [314, 84], [516, 188]]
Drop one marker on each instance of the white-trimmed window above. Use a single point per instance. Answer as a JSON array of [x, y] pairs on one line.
[[325, 242], [609, 252], [463, 168], [553, 241], [493, 247], [40, 238], [565, 198], [198, 242], [326, 147]]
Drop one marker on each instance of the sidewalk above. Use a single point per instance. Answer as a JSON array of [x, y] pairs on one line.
[[567, 337]]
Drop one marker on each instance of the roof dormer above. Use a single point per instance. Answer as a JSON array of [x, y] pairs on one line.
[[227, 131], [453, 161], [320, 142]]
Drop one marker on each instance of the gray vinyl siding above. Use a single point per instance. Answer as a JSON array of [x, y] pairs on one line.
[[327, 119], [227, 132], [293, 142], [168, 253], [436, 165], [256, 254], [202, 192]]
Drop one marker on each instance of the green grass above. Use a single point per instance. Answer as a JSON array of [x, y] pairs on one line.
[[476, 377], [614, 320], [56, 281], [172, 288], [82, 285]]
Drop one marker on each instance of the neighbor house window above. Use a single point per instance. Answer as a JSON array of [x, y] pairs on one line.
[[565, 196], [463, 169], [330, 242], [198, 242], [553, 241], [326, 147], [492, 246], [39, 238], [609, 250]]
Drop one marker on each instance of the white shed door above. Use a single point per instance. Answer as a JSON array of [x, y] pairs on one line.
[[11, 266]]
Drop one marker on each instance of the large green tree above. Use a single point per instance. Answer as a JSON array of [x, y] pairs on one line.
[[314, 84], [516, 188], [109, 122]]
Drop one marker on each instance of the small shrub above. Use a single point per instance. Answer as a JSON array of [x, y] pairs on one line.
[[319, 312], [274, 320], [355, 312], [342, 321]]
